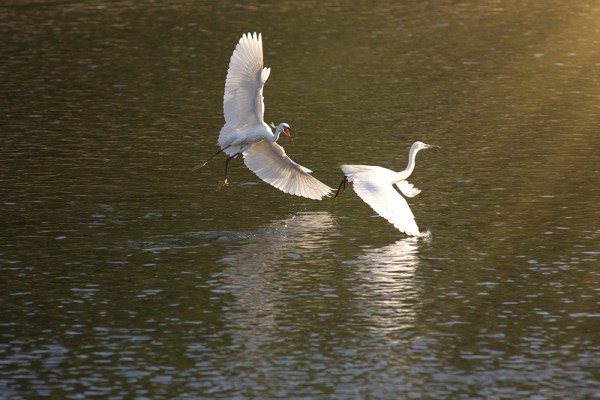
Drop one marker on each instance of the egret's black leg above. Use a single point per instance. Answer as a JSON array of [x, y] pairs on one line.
[[224, 181], [342, 187], [211, 157]]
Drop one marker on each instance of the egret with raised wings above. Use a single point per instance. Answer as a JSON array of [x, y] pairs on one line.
[[375, 186], [245, 131]]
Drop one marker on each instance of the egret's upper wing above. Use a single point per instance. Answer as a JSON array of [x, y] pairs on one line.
[[243, 104], [270, 163], [386, 201]]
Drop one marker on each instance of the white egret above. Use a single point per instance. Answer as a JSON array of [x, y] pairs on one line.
[[375, 186], [245, 131]]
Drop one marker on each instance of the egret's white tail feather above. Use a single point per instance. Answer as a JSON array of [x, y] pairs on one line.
[[227, 137]]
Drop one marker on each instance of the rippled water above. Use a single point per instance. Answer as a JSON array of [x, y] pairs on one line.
[[125, 275]]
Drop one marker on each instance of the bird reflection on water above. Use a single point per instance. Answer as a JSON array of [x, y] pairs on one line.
[[388, 285], [392, 261], [293, 237], [260, 265]]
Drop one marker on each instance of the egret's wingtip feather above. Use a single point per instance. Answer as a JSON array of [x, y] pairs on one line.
[[243, 103], [270, 163]]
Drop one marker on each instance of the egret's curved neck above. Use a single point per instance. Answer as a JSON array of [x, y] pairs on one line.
[[411, 160], [274, 136], [412, 155]]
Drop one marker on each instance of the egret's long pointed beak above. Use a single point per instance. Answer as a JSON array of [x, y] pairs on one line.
[[288, 131], [432, 146]]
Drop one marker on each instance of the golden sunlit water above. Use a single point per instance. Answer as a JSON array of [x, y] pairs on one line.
[[126, 276]]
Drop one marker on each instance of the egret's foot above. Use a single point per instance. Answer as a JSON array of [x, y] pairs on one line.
[[329, 196], [199, 166], [221, 185]]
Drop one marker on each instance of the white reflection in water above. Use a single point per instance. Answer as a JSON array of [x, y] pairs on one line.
[[292, 238], [265, 261], [389, 291]]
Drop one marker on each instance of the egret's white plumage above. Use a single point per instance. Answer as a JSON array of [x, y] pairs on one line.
[[375, 186], [245, 131]]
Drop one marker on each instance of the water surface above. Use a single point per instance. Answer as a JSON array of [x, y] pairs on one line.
[[125, 275]]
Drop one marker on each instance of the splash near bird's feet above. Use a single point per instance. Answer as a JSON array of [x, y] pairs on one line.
[[221, 184]]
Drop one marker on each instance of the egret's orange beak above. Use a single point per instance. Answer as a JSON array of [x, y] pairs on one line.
[[287, 132]]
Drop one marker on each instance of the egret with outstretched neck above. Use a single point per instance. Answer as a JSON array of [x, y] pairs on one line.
[[375, 186], [245, 131]]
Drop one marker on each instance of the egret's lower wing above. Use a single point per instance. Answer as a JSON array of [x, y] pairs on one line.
[[270, 163], [388, 203], [408, 189]]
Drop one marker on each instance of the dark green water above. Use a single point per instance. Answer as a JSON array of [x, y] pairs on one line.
[[126, 276]]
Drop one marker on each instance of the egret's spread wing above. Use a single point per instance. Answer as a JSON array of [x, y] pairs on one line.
[[270, 163], [377, 191], [408, 189], [243, 104]]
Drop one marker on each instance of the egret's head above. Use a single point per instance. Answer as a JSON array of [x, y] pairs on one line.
[[421, 146], [285, 128]]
